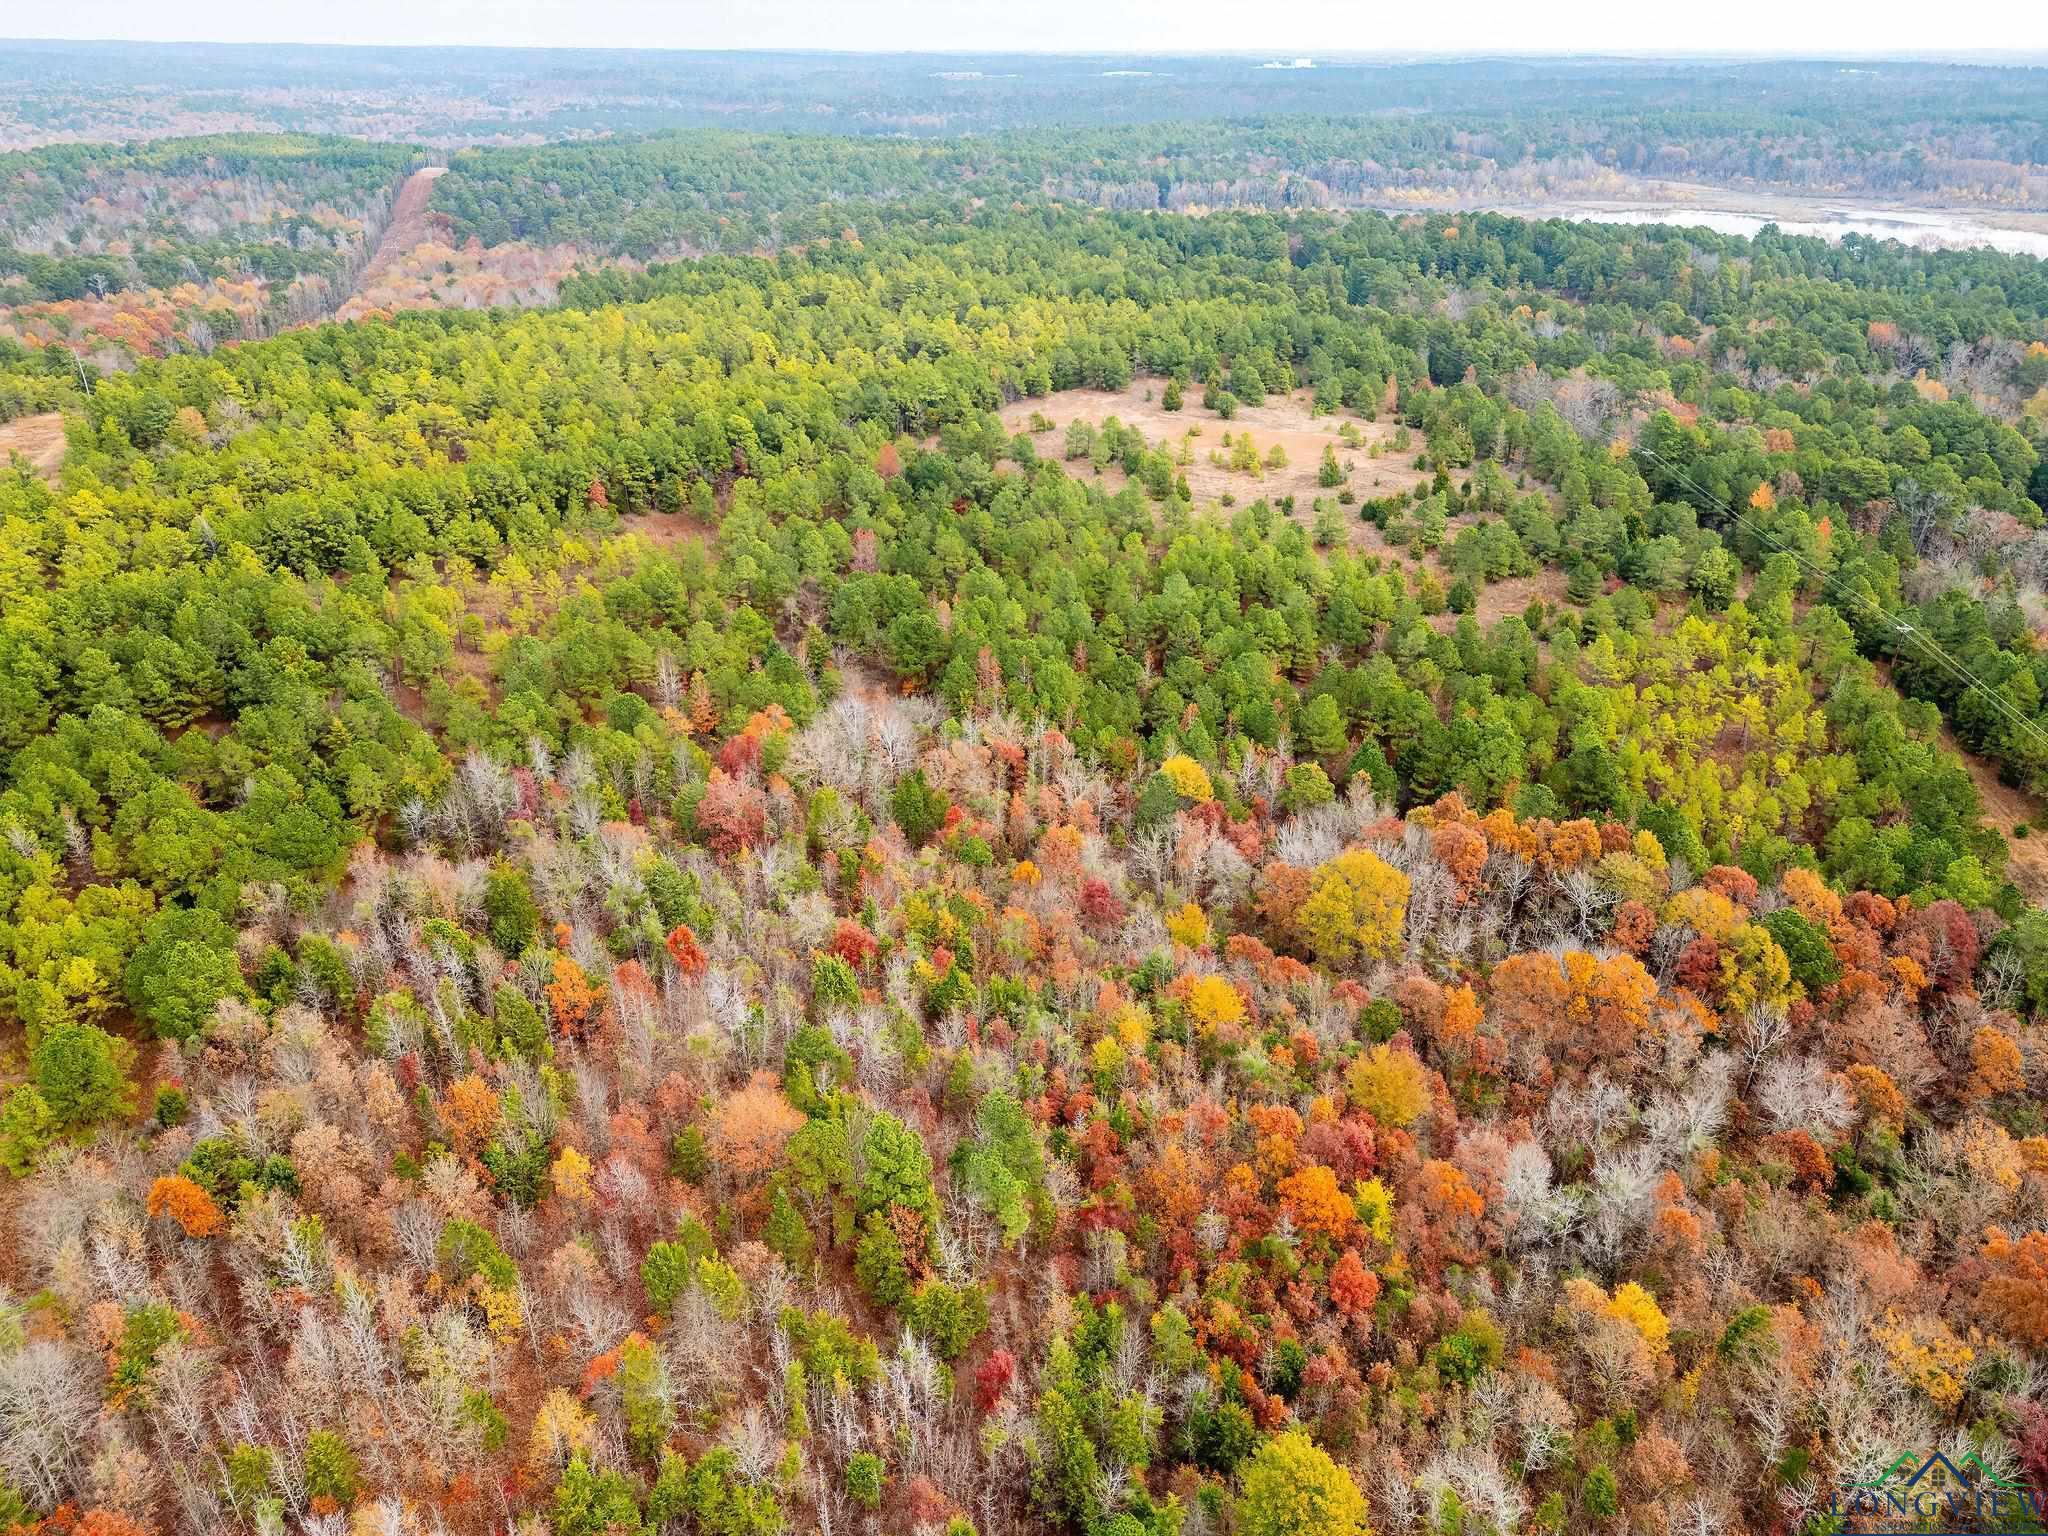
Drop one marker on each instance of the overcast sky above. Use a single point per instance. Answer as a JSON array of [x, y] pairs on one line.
[[1292, 26]]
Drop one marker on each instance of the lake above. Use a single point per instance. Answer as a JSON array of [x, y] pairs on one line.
[[1948, 231]]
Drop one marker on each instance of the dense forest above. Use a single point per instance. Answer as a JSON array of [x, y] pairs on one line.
[[122, 250], [1887, 127], [951, 854], [119, 251], [648, 196]]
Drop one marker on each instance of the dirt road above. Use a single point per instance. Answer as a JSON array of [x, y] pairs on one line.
[[409, 226]]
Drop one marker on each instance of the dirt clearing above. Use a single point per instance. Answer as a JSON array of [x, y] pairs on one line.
[[1511, 596], [2005, 809], [39, 439], [1283, 422]]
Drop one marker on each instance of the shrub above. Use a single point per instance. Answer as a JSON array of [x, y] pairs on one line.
[[878, 1262], [171, 1106], [950, 1317], [864, 1479], [330, 1467], [26, 1127]]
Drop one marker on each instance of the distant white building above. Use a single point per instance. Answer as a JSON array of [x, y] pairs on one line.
[[1290, 64]]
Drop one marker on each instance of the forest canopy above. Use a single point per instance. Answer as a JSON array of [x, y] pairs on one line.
[[946, 852]]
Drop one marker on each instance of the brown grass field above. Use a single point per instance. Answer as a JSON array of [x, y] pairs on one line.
[[39, 439], [1285, 420]]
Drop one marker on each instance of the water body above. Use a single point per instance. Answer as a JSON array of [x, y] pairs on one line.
[[1925, 228]]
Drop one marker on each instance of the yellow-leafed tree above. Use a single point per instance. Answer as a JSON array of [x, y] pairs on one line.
[[1357, 905], [1293, 1488]]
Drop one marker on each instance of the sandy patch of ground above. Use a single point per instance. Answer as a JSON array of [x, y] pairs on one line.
[[39, 439], [1513, 596], [669, 530], [1283, 421], [2004, 809]]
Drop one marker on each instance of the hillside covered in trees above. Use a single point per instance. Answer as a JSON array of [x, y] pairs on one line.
[[1892, 127], [637, 916], [183, 197]]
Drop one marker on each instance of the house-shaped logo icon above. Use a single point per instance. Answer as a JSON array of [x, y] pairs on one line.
[[1937, 1471], [1932, 1495]]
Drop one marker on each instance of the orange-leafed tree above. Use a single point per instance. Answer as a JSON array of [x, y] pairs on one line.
[[1448, 1193], [1996, 1067], [1461, 849], [101, 1522], [1279, 894], [752, 1127], [470, 1111], [1574, 844], [703, 712], [2014, 1296], [1318, 1205], [186, 1203], [1451, 1210], [1878, 1100], [1461, 1018], [1353, 1287], [1276, 1129], [570, 994], [1634, 926], [1592, 1007], [1527, 995], [687, 953]]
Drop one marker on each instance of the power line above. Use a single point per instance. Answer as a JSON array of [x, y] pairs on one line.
[[1997, 700]]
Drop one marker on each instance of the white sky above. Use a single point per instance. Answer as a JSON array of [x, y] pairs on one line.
[[2014, 31]]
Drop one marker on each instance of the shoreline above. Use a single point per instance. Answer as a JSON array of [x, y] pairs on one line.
[[1957, 226]]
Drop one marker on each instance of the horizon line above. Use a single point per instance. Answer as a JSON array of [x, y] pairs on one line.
[[1996, 57]]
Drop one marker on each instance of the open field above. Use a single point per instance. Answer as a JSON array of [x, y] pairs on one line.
[[2005, 810], [1284, 420]]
